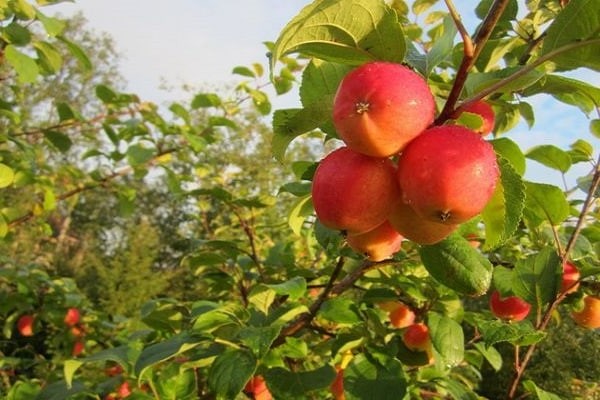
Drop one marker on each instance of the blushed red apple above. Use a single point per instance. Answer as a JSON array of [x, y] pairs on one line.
[[485, 111], [589, 316], [402, 316], [354, 192], [448, 174], [380, 106], [72, 316], [570, 278], [25, 325], [258, 388], [416, 337], [377, 244], [509, 308]]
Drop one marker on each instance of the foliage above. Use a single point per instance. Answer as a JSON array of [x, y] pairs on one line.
[[191, 225]]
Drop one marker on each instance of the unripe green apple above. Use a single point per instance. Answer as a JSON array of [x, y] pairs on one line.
[[402, 316], [378, 244], [416, 337], [380, 106], [25, 325], [485, 111], [510, 308], [448, 174], [570, 278], [413, 227], [354, 192], [589, 316]]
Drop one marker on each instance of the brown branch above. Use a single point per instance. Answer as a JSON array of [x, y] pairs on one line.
[[83, 188], [468, 48], [485, 30]]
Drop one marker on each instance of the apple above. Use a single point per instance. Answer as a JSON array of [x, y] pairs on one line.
[[113, 370], [25, 325], [413, 227], [380, 106], [123, 390], [258, 388], [510, 308], [416, 337], [570, 278], [484, 110], [337, 386], [589, 316], [378, 244], [448, 174], [78, 348], [402, 316], [354, 192], [72, 316]]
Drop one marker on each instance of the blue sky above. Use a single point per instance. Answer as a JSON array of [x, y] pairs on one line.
[[198, 42]]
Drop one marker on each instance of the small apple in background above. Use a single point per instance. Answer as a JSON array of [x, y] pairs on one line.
[[448, 174], [589, 316], [378, 244], [72, 316], [380, 106], [337, 386], [354, 192], [402, 316], [570, 278], [78, 348], [257, 387], [25, 325], [124, 390], [415, 228], [113, 370], [485, 111], [510, 308]]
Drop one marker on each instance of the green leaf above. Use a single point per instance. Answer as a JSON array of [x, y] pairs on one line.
[[477, 81], [504, 211], [540, 394], [121, 355], [59, 140], [25, 66], [456, 264], [537, 278], [138, 155], [53, 26], [550, 156], [7, 175], [106, 94], [285, 384], [420, 6], [545, 202], [204, 100], [294, 288], [511, 152], [259, 339], [503, 280], [567, 90], [261, 296], [447, 338], [442, 47], [581, 151], [291, 123], [300, 210], [163, 315], [78, 53], [176, 383], [244, 71], [522, 333], [162, 351], [230, 372], [578, 24], [16, 34], [367, 378], [493, 356], [212, 319], [323, 30], [595, 127], [340, 310]]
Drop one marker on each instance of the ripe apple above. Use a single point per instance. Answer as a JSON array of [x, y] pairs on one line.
[[337, 386], [402, 316], [570, 278], [485, 111], [258, 387], [380, 106], [25, 325], [72, 316], [124, 390], [378, 244], [78, 348], [510, 308], [416, 337], [413, 227], [589, 316], [448, 174], [113, 370], [354, 192]]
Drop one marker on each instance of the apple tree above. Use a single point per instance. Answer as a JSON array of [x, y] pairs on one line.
[[397, 249]]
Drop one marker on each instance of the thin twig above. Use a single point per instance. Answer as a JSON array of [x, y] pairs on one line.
[[468, 48]]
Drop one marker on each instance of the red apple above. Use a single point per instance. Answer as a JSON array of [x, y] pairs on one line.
[[589, 316], [354, 192], [402, 316], [485, 111], [448, 174], [378, 244], [570, 278], [72, 316], [337, 386], [258, 387], [416, 337], [413, 227], [124, 390], [25, 325], [379, 107], [78, 348], [510, 308], [113, 370]]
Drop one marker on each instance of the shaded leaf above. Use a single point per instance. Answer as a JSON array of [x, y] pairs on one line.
[[447, 338], [230, 372], [285, 384], [367, 378], [537, 278]]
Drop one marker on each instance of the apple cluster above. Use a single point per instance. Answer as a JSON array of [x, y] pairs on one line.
[[398, 176]]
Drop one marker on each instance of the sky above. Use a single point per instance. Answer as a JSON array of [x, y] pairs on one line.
[[199, 42]]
